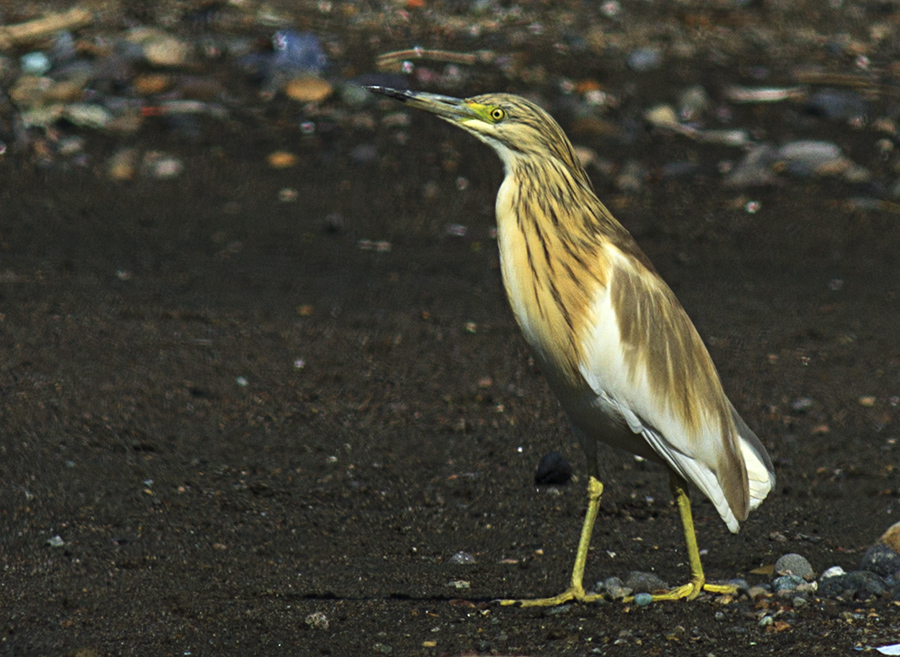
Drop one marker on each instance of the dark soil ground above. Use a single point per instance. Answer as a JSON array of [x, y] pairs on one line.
[[211, 494]]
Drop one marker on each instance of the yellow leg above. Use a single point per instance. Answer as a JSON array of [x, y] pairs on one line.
[[576, 588], [698, 580]]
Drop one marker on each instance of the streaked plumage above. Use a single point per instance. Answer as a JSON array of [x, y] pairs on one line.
[[613, 341]]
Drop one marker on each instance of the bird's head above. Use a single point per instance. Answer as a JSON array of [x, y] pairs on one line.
[[514, 127]]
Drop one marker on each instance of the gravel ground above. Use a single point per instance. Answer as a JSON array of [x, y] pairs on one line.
[[256, 409]]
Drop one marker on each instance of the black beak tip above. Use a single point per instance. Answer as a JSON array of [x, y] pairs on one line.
[[396, 94]]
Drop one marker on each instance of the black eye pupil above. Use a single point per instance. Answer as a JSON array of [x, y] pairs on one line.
[[498, 114]]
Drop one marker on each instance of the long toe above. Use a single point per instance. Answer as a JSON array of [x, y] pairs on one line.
[[691, 590], [572, 593]]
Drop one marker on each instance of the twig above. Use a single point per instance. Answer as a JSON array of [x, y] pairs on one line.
[[391, 61], [24, 33]]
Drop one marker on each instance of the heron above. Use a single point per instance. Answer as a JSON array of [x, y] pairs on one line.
[[615, 345]]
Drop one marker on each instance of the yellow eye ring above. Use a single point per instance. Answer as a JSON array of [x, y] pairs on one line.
[[497, 114]]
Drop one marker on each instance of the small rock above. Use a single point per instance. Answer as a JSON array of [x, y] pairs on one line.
[[802, 404], [799, 601], [755, 169], [614, 588], [160, 48], [837, 104], [66, 91], [740, 584], [806, 158], [152, 83], [645, 59], [661, 116], [30, 91], [786, 583], [298, 51], [692, 102], [35, 63], [794, 564], [308, 89], [317, 620], [56, 541], [159, 165], [644, 582], [834, 571], [856, 585], [643, 599], [891, 537], [460, 584], [88, 116], [881, 560], [462, 559], [553, 470], [383, 648], [281, 159], [758, 592]]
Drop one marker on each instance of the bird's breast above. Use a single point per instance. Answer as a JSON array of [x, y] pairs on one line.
[[550, 289]]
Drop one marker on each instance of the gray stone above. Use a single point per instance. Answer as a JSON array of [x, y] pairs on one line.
[[794, 564], [462, 559], [614, 588], [644, 582], [786, 583], [857, 585], [881, 560]]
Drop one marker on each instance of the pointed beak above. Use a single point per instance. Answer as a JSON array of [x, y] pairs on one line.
[[448, 108]]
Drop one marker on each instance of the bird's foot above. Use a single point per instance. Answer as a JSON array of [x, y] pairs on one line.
[[575, 593], [691, 590]]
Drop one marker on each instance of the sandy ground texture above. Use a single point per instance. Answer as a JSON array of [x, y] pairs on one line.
[[234, 425]]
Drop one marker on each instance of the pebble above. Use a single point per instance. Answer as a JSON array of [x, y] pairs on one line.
[[298, 52], [614, 588], [891, 537], [152, 83], [881, 560], [819, 158], [692, 103], [162, 166], [160, 48], [87, 116], [462, 559], [35, 63], [281, 159], [308, 89], [641, 582], [856, 585], [755, 169], [837, 104], [786, 583], [643, 599], [794, 564], [758, 592], [642, 60], [317, 620], [834, 571], [56, 541], [553, 470]]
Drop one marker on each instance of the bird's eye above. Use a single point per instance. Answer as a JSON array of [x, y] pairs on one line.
[[497, 114]]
